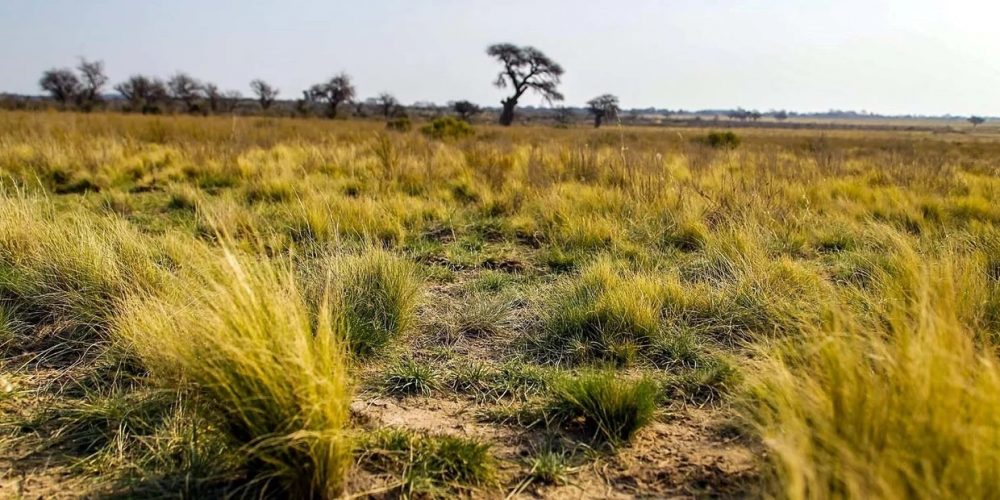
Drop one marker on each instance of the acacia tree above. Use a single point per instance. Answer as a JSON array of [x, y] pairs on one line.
[[213, 95], [465, 109], [388, 104], [265, 93], [230, 99], [92, 82], [183, 88], [335, 91], [524, 68], [976, 121], [143, 93], [603, 106], [61, 84]]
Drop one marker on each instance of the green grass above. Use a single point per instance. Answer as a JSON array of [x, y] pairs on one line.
[[411, 377], [428, 465], [609, 407], [379, 293]]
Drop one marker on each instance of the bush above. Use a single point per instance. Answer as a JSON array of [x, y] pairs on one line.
[[721, 140], [399, 124], [612, 408], [274, 374], [447, 127]]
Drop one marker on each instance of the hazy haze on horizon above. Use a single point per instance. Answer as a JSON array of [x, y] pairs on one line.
[[890, 56]]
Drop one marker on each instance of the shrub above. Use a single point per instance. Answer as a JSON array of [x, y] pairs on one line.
[[721, 140], [611, 407], [447, 127], [399, 124], [274, 374]]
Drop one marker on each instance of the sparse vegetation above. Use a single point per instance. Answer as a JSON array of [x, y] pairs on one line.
[[187, 304]]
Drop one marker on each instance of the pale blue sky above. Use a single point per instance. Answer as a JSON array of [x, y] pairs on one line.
[[888, 56]]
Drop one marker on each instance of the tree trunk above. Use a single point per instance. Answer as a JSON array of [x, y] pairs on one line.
[[507, 115], [597, 120]]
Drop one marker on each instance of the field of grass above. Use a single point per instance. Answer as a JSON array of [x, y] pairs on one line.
[[203, 307]]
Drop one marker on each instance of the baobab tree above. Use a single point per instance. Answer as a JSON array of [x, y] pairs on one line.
[[334, 91], [976, 121], [465, 109], [524, 68], [603, 106], [61, 84], [265, 93]]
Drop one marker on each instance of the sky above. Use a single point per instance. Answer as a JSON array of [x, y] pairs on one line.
[[885, 56]]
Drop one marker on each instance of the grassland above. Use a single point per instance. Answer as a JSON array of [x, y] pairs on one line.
[[202, 307]]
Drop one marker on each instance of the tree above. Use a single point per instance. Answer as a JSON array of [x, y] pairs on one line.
[[603, 106], [780, 115], [265, 93], [93, 80], [230, 100], [185, 89], [143, 93], [563, 116], [335, 91], [304, 105], [388, 104], [739, 114], [976, 121], [213, 95], [524, 68], [61, 84], [465, 109]]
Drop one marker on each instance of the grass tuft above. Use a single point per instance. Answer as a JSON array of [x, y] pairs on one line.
[[611, 408], [274, 374]]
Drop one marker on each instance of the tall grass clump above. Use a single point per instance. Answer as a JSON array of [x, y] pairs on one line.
[[611, 408], [70, 271], [379, 293], [908, 407], [265, 365], [602, 314]]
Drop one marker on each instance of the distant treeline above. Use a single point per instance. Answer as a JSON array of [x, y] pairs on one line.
[[87, 87]]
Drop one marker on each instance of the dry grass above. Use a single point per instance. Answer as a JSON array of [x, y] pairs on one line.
[[844, 287]]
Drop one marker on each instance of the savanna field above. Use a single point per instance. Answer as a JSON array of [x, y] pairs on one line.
[[207, 307]]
